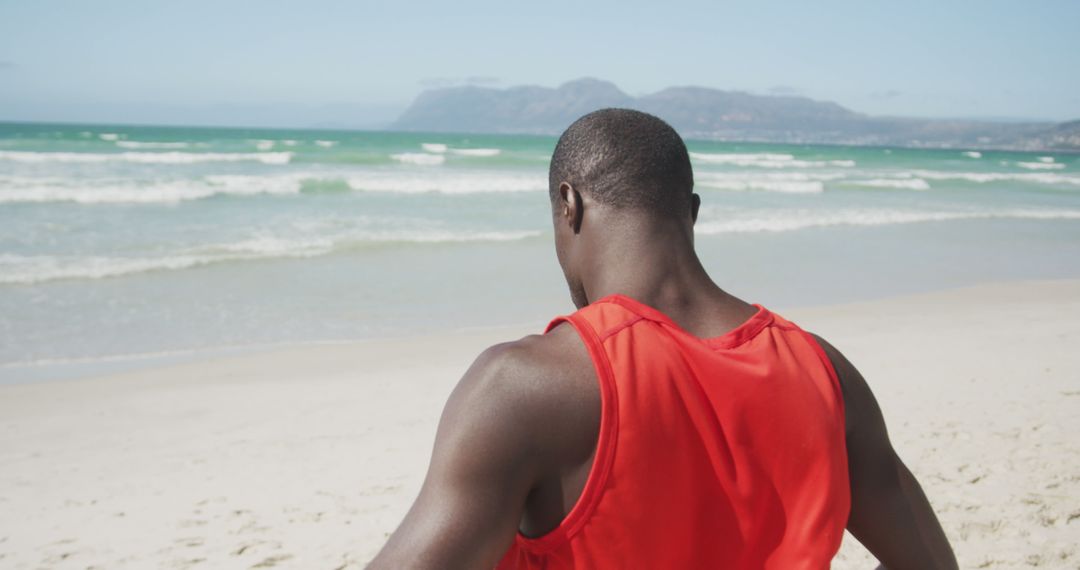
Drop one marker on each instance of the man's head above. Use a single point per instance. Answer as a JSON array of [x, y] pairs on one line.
[[618, 169]]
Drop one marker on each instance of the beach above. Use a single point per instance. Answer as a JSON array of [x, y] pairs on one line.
[[308, 456], [229, 348]]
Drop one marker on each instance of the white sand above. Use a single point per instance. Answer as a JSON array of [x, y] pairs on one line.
[[309, 457]]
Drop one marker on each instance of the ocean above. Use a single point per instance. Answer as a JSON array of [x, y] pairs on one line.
[[120, 244]]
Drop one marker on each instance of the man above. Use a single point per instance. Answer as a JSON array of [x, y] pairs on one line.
[[666, 423]]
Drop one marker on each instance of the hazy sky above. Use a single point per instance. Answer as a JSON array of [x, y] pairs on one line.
[[360, 63]]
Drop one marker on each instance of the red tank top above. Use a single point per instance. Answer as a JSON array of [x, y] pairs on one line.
[[725, 452]]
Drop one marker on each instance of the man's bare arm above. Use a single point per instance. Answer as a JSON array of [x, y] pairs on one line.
[[521, 413], [890, 514], [481, 471]]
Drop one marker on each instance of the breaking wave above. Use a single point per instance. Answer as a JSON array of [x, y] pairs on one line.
[[1041, 165], [792, 220], [146, 157], [421, 158], [440, 148], [785, 182], [898, 183], [767, 160], [25, 270], [22, 189], [148, 144]]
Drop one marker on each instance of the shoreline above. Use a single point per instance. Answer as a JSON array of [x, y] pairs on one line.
[[91, 367], [309, 456]]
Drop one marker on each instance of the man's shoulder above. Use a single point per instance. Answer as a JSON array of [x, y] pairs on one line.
[[542, 364], [544, 384]]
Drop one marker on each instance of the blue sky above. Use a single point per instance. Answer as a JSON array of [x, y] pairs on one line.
[[361, 63]]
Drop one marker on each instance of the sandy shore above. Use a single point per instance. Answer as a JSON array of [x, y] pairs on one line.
[[309, 457]]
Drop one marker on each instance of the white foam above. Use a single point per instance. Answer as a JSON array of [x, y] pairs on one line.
[[1042, 214], [244, 185], [148, 144], [264, 144], [767, 160], [1041, 165], [898, 183], [419, 158], [475, 151], [787, 187], [109, 136], [973, 154], [14, 189], [725, 158], [26, 189], [1046, 159], [444, 236], [793, 220], [147, 157], [472, 182], [984, 177], [24, 270], [441, 148], [785, 182], [326, 144], [17, 269]]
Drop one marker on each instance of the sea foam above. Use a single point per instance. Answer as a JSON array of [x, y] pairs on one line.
[[985, 177], [26, 189], [420, 158], [784, 182], [146, 157], [767, 160], [1041, 165], [471, 182], [475, 151], [441, 148], [712, 222], [17, 189], [25, 270], [151, 145], [898, 183]]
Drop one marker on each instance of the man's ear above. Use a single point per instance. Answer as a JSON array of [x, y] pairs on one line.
[[573, 208], [695, 205]]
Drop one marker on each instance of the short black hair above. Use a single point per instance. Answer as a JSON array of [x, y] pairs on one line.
[[626, 159]]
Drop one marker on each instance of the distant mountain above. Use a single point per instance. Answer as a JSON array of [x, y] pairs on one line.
[[514, 110], [699, 112]]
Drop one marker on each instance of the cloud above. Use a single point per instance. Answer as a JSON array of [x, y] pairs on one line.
[[887, 94], [784, 90], [6, 64]]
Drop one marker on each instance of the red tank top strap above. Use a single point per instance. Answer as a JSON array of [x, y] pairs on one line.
[[605, 445]]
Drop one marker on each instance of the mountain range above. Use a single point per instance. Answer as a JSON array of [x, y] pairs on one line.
[[704, 113]]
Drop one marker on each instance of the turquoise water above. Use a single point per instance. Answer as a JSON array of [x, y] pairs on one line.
[[125, 241]]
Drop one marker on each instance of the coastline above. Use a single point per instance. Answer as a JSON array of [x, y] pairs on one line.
[[308, 456]]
